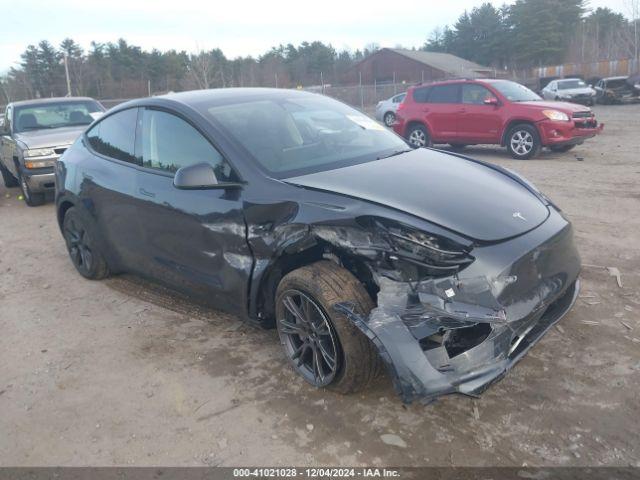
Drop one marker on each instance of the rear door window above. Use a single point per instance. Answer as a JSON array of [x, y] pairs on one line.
[[115, 136], [444, 94]]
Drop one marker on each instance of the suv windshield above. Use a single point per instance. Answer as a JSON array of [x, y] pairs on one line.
[[514, 92], [568, 84], [54, 115], [290, 136]]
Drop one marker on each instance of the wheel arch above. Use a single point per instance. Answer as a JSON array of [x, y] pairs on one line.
[[512, 123], [264, 284], [61, 210]]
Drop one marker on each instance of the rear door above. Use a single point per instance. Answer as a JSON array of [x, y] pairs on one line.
[[478, 122], [195, 240], [441, 112], [107, 181]]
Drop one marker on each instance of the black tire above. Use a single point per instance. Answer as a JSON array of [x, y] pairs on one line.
[[418, 136], [327, 284], [561, 148], [85, 255], [457, 147], [32, 199], [523, 141], [389, 118], [9, 180]]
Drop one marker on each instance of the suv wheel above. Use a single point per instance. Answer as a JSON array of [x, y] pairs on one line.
[[389, 118], [418, 137], [9, 180], [322, 345], [80, 239], [32, 199], [523, 142]]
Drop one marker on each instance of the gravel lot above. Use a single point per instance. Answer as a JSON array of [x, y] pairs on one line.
[[122, 372]]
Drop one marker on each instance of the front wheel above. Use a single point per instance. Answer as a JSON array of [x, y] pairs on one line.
[[32, 199], [523, 142], [322, 345], [418, 137]]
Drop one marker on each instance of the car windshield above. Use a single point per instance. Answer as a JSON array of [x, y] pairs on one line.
[[568, 84], [299, 134], [55, 115], [514, 92]]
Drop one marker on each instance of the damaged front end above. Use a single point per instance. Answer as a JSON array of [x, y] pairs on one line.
[[454, 321]]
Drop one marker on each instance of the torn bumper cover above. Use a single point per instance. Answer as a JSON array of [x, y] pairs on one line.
[[459, 334]]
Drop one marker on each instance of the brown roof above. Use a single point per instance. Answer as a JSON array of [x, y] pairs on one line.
[[445, 62]]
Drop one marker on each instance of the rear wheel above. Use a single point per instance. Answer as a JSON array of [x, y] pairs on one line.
[[418, 136], [523, 142], [9, 180], [80, 239], [322, 345], [32, 199], [561, 148], [389, 118]]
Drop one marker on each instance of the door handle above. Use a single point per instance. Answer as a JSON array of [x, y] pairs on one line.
[[425, 110], [146, 193]]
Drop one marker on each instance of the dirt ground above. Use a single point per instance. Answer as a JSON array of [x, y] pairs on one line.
[[120, 372]]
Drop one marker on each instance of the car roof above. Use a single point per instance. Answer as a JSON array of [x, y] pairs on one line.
[[213, 97], [461, 80], [45, 101]]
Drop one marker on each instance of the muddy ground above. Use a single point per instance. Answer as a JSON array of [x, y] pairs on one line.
[[120, 372]]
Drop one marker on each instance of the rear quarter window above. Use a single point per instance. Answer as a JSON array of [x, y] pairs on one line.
[[420, 95], [115, 136]]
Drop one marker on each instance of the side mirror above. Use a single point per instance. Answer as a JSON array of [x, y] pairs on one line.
[[199, 177], [491, 101]]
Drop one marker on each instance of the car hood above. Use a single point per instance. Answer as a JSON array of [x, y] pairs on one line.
[[461, 195], [50, 138], [564, 106]]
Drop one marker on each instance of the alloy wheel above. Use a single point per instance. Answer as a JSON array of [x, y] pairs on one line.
[[79, 251], [389, 119], [521, 142], [308, 338], [417, 138]]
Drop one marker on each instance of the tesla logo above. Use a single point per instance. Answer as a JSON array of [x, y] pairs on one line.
[[519, 215]]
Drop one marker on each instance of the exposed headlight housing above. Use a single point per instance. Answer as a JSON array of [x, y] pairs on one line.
[[556, 115], [39, 152]]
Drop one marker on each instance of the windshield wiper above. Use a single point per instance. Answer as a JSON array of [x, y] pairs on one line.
[[394, 153]]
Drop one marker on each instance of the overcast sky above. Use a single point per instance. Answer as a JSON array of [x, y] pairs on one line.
[[238, 27]]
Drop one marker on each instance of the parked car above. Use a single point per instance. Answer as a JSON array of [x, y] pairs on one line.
[[386, 109], [293, 210], [570, 90], [484, 111], [617, 90], [34, 135]]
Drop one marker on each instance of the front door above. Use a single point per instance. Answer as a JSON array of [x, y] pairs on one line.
[[478, 122], [195, 240]]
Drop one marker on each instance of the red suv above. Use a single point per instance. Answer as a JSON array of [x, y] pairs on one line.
[[469, 112]]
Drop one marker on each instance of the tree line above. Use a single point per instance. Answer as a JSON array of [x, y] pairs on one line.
[[121, 70], [531, 33], [525, 34]]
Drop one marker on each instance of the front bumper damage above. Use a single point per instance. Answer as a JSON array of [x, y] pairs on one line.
[[461, 333]]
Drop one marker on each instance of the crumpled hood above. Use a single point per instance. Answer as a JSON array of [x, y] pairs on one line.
[[458, 194], [50, 138]]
